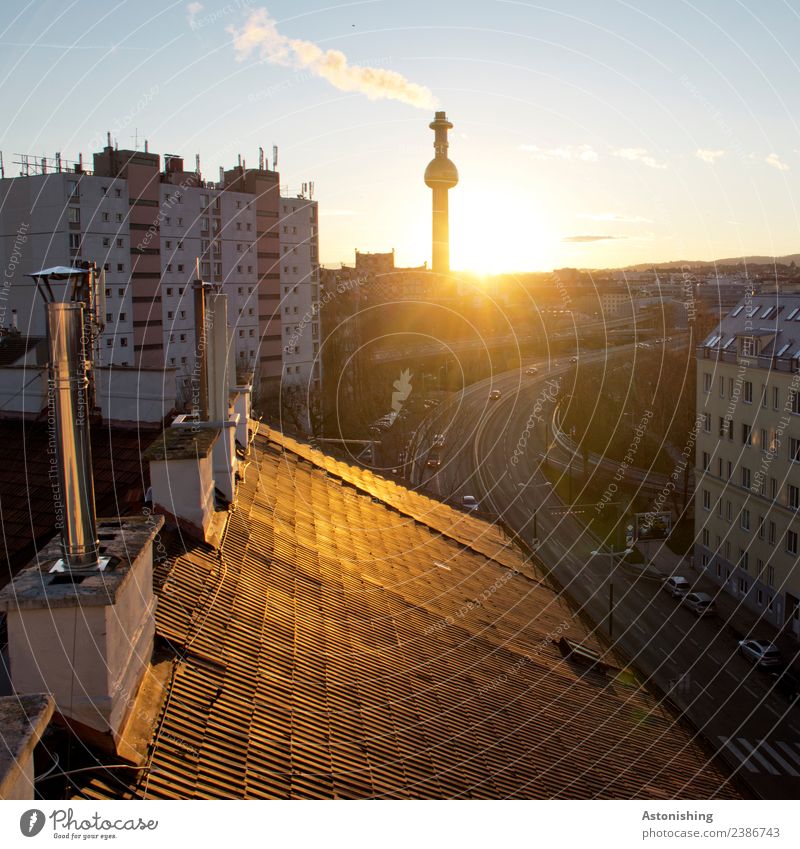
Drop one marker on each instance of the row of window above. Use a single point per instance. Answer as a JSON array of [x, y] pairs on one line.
[[746, 392], [770, 534], [768, 439]]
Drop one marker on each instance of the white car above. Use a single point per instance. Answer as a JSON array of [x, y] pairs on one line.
[[761, 652], [469, 502], [677, 586]]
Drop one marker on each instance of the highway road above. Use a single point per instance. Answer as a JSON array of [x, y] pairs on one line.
[[494, 451]]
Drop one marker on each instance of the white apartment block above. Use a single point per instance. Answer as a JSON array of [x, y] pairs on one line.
[[63, 218], [747, 504], [151, 229], [299, 257]]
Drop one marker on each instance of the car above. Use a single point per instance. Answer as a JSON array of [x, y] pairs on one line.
[[701, 604], [531, 370], [787, 683], [494, 395], [573, 359], [469, 502], [677, 586], [761, 652], [434, 461]]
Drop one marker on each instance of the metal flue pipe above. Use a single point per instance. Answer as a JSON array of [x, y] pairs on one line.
[[69, 418]]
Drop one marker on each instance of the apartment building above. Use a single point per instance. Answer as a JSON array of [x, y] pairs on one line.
[[747, 523], [152, 230], [299, 248]]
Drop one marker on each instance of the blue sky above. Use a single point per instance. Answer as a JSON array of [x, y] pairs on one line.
[[586, 133]]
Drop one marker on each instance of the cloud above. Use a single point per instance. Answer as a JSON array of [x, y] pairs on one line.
[[639, 154], [581, 239], [710, 156], [192, 11], [776, 162], [260, 34], [581, 152], [614, 216]]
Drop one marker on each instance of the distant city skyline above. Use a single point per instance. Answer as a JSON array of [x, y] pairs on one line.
[[592, 135]]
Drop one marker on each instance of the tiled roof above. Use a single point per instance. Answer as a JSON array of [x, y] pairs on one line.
[[27, 517], [762, 316], [338, 646]]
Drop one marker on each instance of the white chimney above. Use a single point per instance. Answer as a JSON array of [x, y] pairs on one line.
[[182, 475]]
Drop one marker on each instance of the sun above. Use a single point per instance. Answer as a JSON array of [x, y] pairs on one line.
[[490, 233]]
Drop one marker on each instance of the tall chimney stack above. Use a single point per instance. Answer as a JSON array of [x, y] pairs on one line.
[[440, 176]]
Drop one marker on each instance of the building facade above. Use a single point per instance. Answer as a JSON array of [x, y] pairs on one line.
[[153, 231], [747, 523]]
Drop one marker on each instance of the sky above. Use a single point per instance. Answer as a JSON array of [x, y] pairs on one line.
[[587, 133]]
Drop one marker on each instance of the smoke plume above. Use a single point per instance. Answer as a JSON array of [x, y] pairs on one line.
[[259, 33]]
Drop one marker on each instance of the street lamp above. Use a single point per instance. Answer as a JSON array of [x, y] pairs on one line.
[[535, 507], [612, 554]]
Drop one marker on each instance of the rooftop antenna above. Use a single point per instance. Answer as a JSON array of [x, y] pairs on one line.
[[108, 139], [58, 162], [240, 160], [311, 191], [261, 159], [136, 138], [2, 167], [145, 145], [197, 164], [274, 157]]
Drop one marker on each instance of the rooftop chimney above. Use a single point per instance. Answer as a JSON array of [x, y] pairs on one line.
[[70, 405]]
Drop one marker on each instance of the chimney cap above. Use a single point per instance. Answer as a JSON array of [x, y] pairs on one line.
[[183, 443]]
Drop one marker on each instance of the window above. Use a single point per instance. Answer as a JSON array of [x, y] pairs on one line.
[[108, 293], [795, 402], [794, 497], [170, 314], [74, 215], [764, 396], [705, 537], [794, 450], [744, 520], [169, 266], [721, 387], [742, 586], [723, 427], [180, 268], [760, 597], [183, 313], [772, 534], [119, 218], [122, 316], [761, 527], [106, 242], [775, 398], [123, 342], [117, 193], [168, 244], [74, 241], [120, 267], [106, 217], [706, 500], [169, 290], [747, 436], [119, 243], [791, 542], [707, 422], [773, 488], [748, 392], [706, 460]]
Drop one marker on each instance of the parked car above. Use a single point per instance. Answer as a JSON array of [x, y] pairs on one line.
[[701, 604], [677, 586], [469, 502], [494, 395], [761, 652], [531, 370], [439, 440], [786, 683]]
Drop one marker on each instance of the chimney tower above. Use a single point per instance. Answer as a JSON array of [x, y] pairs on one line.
[[440, 176]]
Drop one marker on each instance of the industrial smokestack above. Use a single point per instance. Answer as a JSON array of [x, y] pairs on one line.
[[440, 176]]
